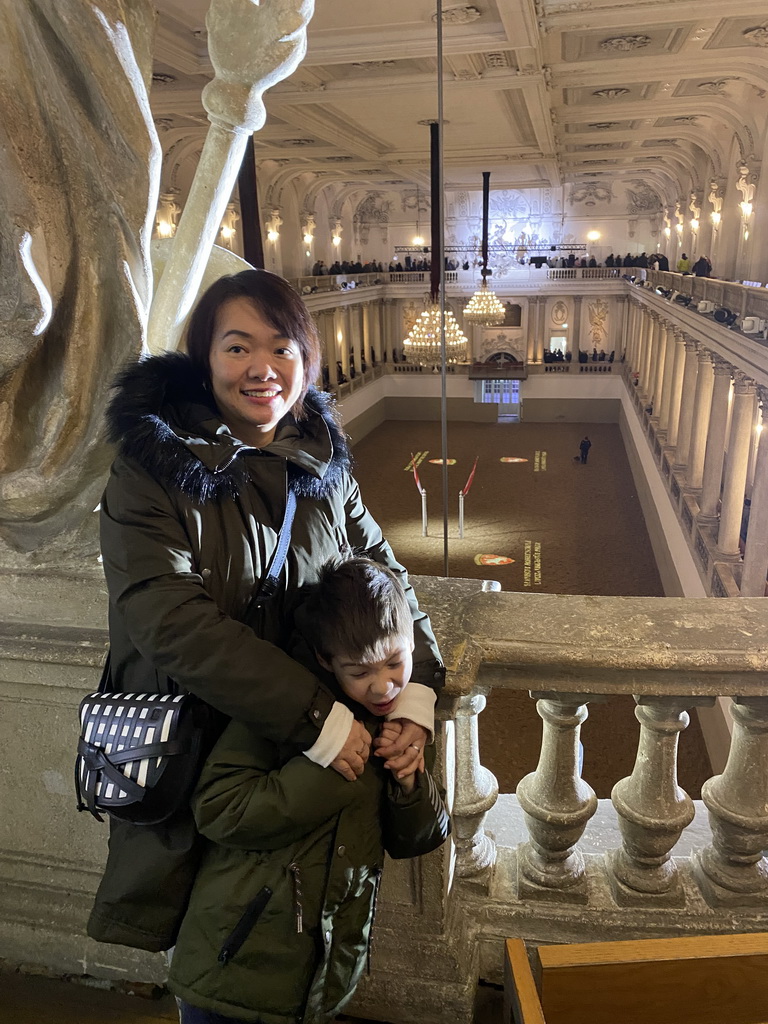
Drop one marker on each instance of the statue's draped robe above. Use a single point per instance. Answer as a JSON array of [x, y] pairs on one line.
[[79, 173]]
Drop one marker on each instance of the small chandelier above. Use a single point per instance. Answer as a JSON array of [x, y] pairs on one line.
[[484, 308], [422, 345]]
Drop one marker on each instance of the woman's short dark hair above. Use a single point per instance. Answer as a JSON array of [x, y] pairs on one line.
[[356, 609], [280, 306]]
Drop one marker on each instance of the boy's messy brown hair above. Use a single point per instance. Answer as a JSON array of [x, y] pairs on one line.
[[356, 607]]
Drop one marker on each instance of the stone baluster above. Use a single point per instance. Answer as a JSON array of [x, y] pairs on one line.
[[668, 334], [732, 871], [557, 804], [476, 793], [653, 810]]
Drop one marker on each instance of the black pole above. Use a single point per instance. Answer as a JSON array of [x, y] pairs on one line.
[[436, 239], [486, 197], [253, 243]]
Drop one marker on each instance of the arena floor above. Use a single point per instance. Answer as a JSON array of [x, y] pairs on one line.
[[589, 525]]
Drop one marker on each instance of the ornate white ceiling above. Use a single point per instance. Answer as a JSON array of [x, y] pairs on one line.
[[536, 91]]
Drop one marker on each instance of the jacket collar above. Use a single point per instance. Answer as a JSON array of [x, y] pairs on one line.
[[162, 417]]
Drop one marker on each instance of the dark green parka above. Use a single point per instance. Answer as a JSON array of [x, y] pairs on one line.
[[189, 521], [279, 920]]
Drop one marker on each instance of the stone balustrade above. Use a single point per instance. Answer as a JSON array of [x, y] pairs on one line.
[[550, 863]]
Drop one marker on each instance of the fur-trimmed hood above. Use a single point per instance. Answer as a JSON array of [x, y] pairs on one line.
[[162, 417]]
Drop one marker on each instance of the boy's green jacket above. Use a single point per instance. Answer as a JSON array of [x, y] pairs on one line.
[[279, 920]]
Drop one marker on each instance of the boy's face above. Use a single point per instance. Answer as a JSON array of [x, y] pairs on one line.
[[375, 684]]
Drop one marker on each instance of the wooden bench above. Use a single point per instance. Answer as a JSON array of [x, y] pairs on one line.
[[708, 979]]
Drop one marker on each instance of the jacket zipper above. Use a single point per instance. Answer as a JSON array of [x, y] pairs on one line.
[[244, 926], [377, 884], [298, 909]]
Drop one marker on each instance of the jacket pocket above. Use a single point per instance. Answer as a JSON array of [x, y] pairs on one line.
[[244, 926]]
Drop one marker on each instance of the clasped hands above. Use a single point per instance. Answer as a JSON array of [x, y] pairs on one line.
[[400, 742]]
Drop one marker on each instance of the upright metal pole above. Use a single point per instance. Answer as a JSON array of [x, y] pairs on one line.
[[437, 253]]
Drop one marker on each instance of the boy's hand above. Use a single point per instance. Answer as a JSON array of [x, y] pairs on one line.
[[403, 752], [351, 759]]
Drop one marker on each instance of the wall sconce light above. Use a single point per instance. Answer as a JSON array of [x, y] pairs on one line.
[[592, 236], [272, 236], [336, 240], [679, 228], [694, 224], [168, 211], [308, 239], [715, 218], [746, 209], [227, 229], [668, 232]]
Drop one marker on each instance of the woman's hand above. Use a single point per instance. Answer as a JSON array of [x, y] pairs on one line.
[[351, 759], [402, 743]]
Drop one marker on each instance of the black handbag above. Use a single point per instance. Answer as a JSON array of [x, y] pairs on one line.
[[139, 754]]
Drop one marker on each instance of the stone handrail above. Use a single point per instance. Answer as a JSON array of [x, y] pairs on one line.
[[672, 655], [746, 300]]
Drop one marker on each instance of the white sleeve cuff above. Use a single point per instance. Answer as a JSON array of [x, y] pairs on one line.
[[417, 704], [333, 735]]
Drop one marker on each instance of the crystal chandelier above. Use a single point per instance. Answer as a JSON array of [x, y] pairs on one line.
[[485, 308], [422, 345]]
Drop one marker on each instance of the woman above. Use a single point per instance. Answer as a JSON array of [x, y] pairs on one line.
[[208, 445], [683, 265]]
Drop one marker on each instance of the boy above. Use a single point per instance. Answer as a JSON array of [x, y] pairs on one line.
[[279, 921]]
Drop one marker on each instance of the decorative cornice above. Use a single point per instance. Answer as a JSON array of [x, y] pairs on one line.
[[758, 35]]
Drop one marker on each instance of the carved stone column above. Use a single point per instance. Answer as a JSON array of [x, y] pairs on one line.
[[713, 459], [633, 341], [648, 371], [653, 810], [557, 805], [639, 342], [476, 793], [354, 318], [755, 569], [702, 407], [576, 330], [541, 327], [666, 383], [676, 396], [687, 404], [367, 343], [659, 355], [742, 421], [732, 871]]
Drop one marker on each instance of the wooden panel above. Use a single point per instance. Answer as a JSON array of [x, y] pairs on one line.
[[705, 980], [521, 997]]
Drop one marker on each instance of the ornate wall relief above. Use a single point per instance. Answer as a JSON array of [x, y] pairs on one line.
[[559, 313], [598, 320]]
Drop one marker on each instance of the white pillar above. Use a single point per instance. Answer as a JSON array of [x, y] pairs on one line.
[[756, 552], [576, 329], [742, 420], [675, 400], [687, 402], [713, 459], [702, 406], [666, 382], [658, 339], [648, 371]]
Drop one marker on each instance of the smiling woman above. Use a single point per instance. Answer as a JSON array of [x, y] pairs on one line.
[[210, 443], [257, 373]]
